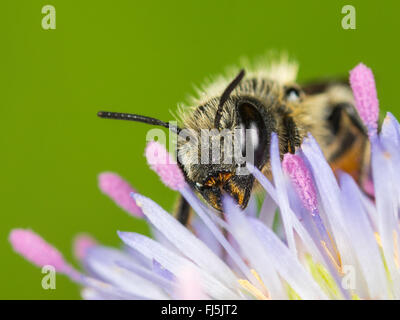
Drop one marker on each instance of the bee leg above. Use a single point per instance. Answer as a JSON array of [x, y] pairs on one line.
[[182, 212]]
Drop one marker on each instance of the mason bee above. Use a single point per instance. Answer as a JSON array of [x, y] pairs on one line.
[[266, 99]]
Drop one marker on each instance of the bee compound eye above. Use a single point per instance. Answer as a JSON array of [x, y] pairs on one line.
[[254, 136]]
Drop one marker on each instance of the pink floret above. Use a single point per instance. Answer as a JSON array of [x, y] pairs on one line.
[[119, 190], [162, 163], [36, 250], [302, 181], [363, 85]]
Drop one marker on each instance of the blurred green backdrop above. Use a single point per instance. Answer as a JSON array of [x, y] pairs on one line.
[[144, 57]]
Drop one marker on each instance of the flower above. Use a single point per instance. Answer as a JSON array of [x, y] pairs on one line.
[[327, 240]]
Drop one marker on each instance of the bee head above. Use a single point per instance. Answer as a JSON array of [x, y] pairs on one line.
[[227, 153], [220, 143]]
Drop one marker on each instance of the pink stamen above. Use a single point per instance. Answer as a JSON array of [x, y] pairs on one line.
[[119, 190], [82, 243], [36, 250], [162, 163], [363, 85], [304, 186], [302, 181]]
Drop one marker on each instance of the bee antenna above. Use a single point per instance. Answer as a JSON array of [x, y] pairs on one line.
[[225, 96], [137, 118]]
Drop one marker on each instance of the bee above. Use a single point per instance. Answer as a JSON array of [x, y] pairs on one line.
[[265, 100]]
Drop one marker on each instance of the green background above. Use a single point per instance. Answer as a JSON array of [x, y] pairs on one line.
[[142, 57]]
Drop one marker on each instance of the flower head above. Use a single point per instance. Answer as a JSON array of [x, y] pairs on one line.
[[329, 240]]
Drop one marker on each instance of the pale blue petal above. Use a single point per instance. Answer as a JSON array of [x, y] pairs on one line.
[[390, 141], [268, 211], [149, 275], [301, 231], [93, 294], [363, 240], [204, 215], [102, 261], [391, 130], [287, 264], [205, 235], [330, 198], [185, 241], [387, 206], [281, 195], [162, 272], [252, 249], [252, 209], [175, 263], [105, 289]]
